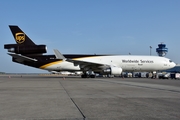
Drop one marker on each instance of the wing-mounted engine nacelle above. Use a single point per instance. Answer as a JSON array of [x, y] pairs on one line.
[[113, 71], [22, 49]]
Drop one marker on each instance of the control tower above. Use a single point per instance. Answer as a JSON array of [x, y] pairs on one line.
[[162, 50]]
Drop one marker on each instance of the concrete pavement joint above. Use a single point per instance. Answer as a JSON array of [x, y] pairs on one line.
[[84, 117]]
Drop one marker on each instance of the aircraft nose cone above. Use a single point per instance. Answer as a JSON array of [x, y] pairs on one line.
[[173, 64]]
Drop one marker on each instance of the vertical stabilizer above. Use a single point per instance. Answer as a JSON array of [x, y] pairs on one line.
[[24, 44], [20, 37]]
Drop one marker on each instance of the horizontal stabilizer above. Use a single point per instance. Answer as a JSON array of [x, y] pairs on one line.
[[21, 58]]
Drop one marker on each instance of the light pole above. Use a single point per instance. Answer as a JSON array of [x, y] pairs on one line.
[[150, 49]]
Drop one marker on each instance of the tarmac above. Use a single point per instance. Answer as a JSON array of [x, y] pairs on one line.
[[38, 97]]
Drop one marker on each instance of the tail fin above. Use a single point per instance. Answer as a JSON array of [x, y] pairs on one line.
[[19, 36]]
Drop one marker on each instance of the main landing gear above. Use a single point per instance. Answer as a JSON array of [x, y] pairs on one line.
[[87, 76]]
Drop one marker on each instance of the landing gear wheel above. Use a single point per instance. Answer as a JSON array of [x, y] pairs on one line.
[[92, 76], [84, 76]]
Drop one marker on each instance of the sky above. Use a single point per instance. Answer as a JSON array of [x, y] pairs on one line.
[[91, 27]]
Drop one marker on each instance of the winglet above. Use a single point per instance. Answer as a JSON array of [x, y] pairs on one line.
[[59, 55]]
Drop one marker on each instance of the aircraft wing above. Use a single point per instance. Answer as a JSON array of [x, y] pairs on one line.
[[82, 64], [21, 58], [88, 65]]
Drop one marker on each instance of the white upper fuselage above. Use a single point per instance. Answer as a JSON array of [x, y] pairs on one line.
[[126, 62]]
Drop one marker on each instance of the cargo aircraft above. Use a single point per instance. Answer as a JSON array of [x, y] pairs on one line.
[[26, 52]]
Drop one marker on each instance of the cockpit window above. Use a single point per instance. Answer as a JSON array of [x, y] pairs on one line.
[[170, 60]]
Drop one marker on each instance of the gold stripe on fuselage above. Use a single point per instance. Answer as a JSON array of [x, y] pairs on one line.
[[49, 64]]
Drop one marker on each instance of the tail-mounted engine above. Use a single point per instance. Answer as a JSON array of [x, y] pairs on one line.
[[22, 49]]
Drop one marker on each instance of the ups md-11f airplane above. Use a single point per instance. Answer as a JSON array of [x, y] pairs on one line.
[[26, 52]]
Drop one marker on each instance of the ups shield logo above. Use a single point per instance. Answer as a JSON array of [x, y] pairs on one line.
[[20, 37]]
